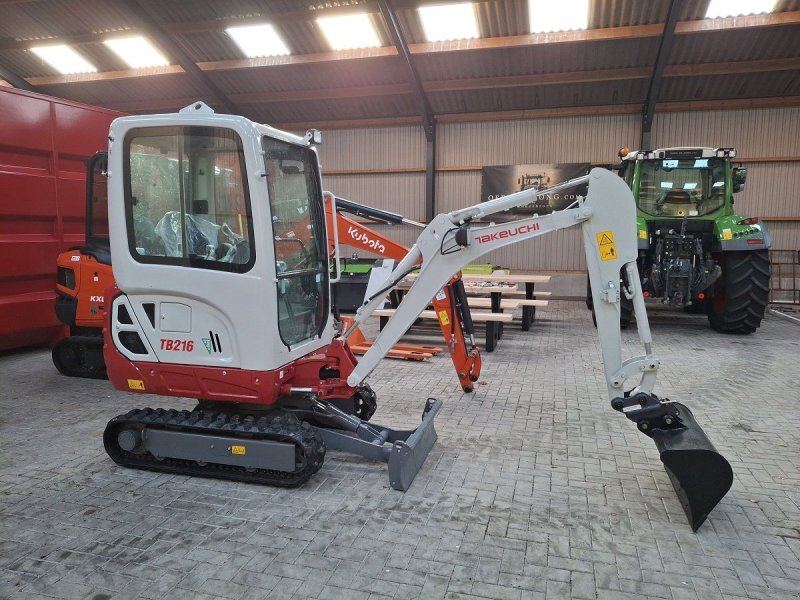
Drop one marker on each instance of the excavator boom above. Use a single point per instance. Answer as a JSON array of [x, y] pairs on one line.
[[699, 474]]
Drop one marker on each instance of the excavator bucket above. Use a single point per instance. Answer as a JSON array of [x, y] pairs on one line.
[[700, 475]]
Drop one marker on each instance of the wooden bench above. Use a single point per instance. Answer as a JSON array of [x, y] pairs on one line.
[[505, 303], [493, 321]]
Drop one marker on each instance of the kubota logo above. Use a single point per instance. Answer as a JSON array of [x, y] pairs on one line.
[[365, 240], [507, 233]]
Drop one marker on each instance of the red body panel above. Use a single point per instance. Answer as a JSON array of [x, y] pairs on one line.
[[43, 144], [227, 384]]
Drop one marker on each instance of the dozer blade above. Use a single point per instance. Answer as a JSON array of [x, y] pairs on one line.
[[408, 455], [405, 451], [700, 475]]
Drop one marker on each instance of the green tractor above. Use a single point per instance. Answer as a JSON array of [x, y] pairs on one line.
[[695, 252]]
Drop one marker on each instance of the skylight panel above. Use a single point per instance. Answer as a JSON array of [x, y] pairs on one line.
[[449, 22], [137, 52], [736, 8], [64, 59], [258, 40], [567, 15], [349, 31]]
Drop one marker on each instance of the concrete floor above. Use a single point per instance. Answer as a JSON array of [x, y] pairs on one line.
[[536, 489]]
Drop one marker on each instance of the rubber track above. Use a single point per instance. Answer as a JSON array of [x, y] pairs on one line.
[[746, 289], [78, 346], [280, 428]]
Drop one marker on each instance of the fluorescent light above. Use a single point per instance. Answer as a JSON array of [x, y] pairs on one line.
[[735, 8], [258, 40], [137, 52], [64, 59], [449, 22], [566, 15], [349, 31]]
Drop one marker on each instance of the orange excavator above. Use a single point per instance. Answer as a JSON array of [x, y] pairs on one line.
[[450, 303], [84, 273]]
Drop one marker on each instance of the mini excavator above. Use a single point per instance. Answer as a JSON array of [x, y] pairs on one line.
[[223, 294], [83, 274]]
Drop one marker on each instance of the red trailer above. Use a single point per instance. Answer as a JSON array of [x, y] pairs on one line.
[[44, 142]]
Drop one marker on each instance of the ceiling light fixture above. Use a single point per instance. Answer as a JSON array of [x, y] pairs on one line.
[[64, 59], [349, 31], [568, 15], [137, 52], [449, 22], [735, 8], [258, 40]]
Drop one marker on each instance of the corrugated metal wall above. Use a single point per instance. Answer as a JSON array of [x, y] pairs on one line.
[[771, 191], [375, 149]]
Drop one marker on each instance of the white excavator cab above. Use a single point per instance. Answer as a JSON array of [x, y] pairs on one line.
[[222, 241]]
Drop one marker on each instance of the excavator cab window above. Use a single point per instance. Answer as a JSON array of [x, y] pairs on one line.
[[685, 187], [186, 198], [97, 200], [298, 230]]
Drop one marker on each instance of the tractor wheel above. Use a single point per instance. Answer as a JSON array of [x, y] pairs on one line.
[[741, 294], [625, 306]]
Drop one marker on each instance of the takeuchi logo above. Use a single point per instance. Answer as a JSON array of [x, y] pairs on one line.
[[507, 233]]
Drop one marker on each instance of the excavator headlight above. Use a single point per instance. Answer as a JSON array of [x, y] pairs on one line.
[[66, 277]]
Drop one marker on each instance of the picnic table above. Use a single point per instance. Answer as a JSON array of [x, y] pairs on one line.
[[496, 286]]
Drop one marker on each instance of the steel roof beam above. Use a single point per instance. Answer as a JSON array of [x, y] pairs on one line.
[[425, 110], [15, 80], [148, 24], [402, 49], [664, 49]]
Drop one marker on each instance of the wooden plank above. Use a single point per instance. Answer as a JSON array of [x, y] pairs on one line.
[[505, 303], [474, 291], [361, 349], [510, 278], [533, 302], [430, 314], [505, 278]]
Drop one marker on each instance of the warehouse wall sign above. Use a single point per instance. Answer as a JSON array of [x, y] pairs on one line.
[[497, 181]]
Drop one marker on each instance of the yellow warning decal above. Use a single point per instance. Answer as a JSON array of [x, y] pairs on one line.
[[643, 234], [135, 384], [608, 249], [727, 234], [443, 317], [238, 450]]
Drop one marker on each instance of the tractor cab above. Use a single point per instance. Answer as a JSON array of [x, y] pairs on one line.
[[681, 183]]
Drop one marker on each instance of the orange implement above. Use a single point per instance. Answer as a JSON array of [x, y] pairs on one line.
[[448, 304]]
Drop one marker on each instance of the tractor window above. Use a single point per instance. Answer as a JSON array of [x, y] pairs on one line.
[[298, 229], [186, 198], [681, 188]]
